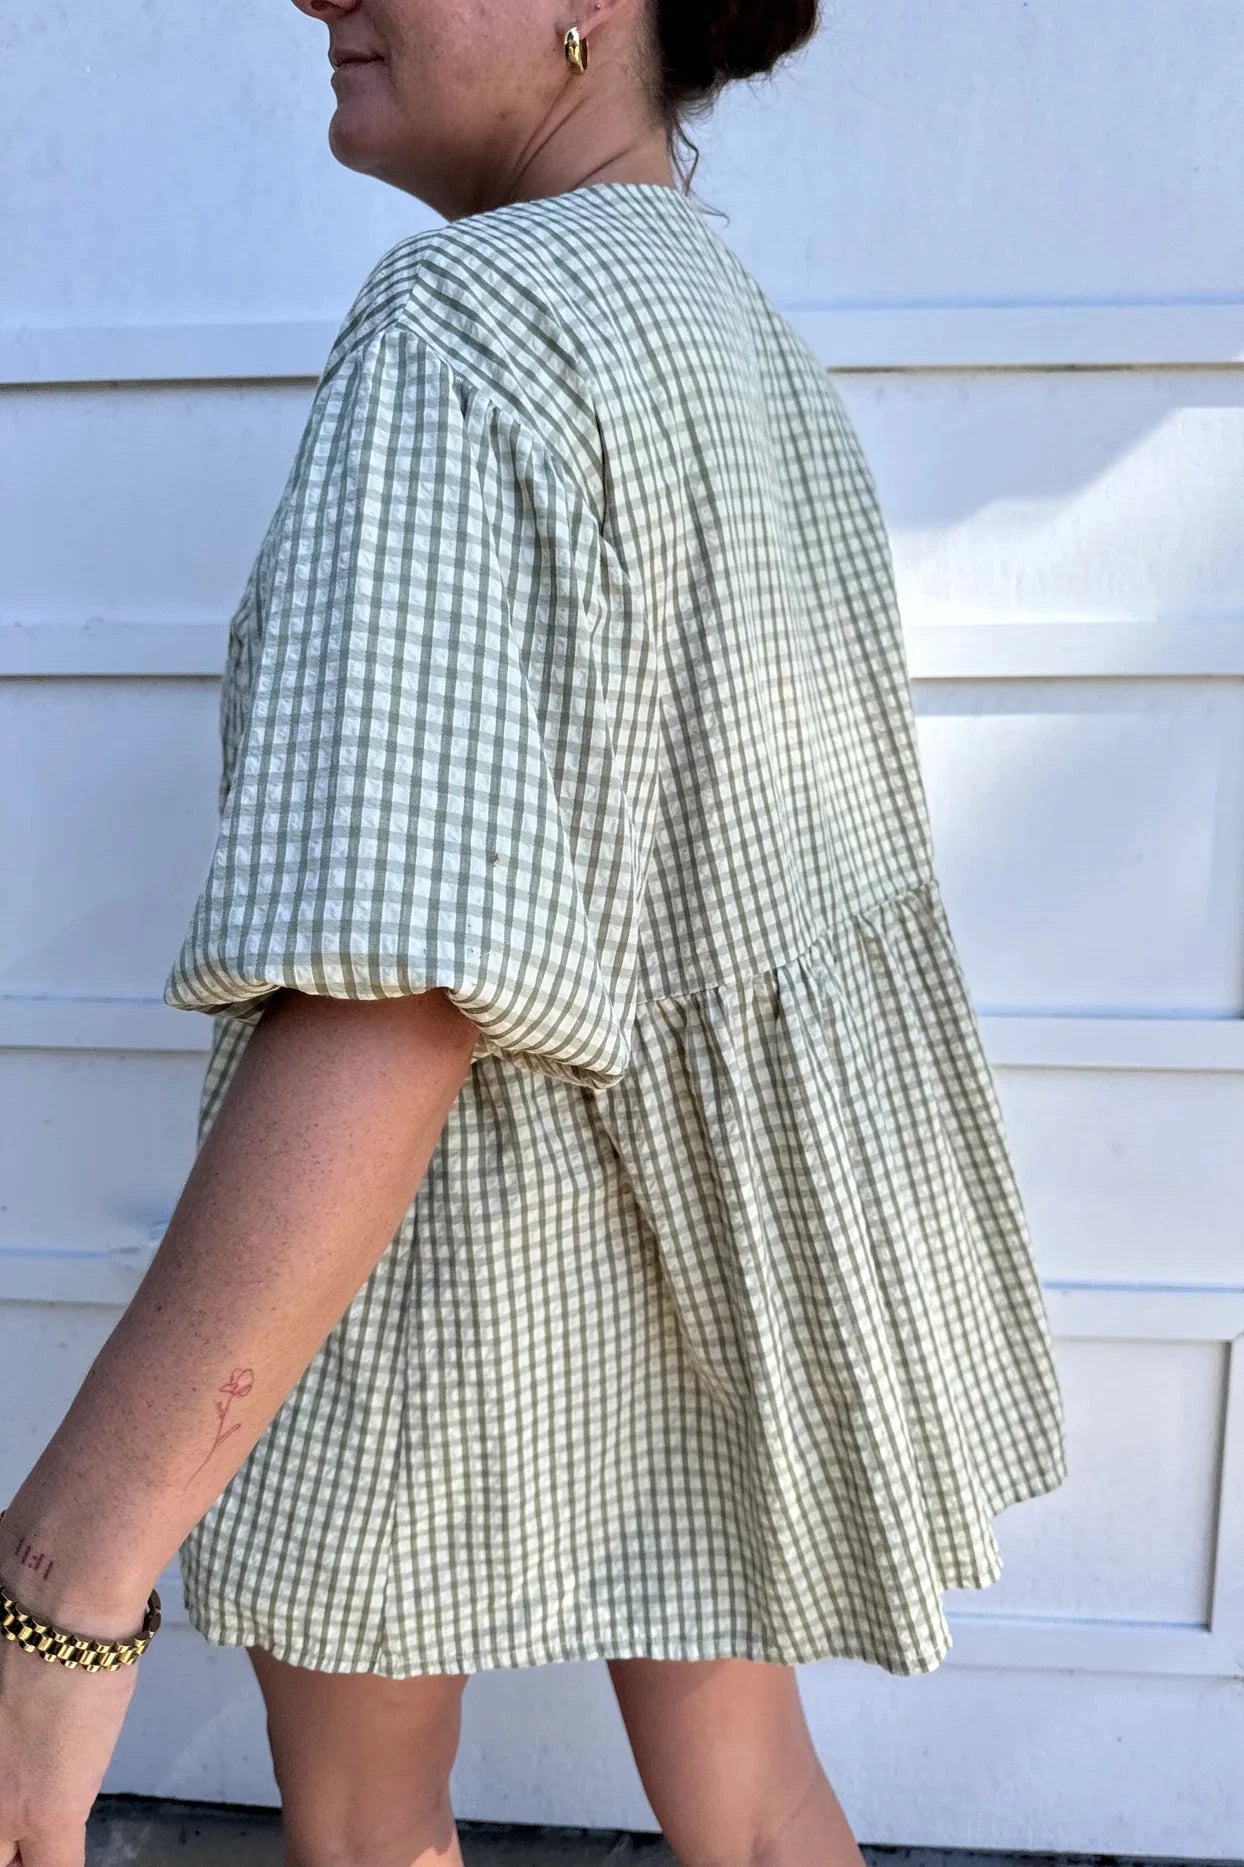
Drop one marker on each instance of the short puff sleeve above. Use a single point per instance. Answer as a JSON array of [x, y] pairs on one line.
[[439, 726]]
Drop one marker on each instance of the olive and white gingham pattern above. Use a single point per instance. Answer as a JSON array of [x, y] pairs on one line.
[[570, 677]]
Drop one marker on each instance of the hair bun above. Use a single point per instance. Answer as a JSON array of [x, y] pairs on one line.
[[705, 45]]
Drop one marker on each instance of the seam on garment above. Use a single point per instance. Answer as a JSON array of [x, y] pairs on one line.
[[471, 391], [925, 885]]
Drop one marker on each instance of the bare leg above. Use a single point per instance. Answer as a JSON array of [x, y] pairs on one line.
[[362, 1764], [727, 1761]]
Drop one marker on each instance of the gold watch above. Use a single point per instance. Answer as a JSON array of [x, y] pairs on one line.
[[54, 1643]]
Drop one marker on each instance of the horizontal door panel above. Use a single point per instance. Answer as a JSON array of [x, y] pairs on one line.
[[1006, 152], [1130, 1176], [1129, 1535], [117, 782], [1087, 835], [1070, 494], [137, 503], [45, 1351], [94, 1149]]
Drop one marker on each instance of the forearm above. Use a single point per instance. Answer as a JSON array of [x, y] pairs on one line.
[[318, 1148]]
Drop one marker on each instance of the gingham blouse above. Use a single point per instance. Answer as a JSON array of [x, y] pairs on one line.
[[569, 677]]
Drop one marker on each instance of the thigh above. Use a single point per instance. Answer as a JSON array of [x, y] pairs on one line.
[[362, 1762], [727, 1761]]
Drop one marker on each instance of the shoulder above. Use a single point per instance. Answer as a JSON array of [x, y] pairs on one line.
[[487, 298]]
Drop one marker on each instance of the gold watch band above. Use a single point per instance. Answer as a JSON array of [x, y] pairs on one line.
[[56, 1643]]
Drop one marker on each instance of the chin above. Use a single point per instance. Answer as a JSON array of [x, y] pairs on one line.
[[356, 137]]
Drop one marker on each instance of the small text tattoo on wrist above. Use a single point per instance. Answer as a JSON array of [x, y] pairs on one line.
[[32, 1558]]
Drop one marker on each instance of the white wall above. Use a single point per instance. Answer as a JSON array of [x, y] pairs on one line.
[[1013, 232]]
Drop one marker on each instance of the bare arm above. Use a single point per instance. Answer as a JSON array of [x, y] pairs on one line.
[[319, 1146]]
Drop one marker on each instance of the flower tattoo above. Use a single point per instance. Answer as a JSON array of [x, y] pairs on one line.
[[237, 1387]]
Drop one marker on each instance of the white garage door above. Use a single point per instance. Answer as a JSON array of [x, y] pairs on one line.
[[1013, 232]]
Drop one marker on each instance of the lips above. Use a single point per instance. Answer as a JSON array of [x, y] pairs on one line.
[[338, 59]]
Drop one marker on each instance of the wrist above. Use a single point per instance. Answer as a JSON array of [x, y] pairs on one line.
[[59, 1577]]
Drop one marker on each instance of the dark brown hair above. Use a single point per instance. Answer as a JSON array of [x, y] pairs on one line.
[[703, 45]]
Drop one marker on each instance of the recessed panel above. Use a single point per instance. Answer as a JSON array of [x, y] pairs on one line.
[[139, 504], [113, 787], [94, 1147], [972, 152], [1088, 837], [45, 1351], [1069, 495], [1130, 1176], [1129, 1535]]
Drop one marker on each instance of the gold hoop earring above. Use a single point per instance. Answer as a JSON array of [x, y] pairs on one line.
[[576, 49]]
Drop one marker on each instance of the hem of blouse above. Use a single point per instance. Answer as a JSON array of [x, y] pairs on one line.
[[926, 885], [252, 1629]]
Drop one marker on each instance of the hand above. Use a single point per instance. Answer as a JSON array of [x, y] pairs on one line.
[[58, 1730]]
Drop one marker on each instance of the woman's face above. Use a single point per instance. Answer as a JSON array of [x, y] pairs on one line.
[[454, 100]]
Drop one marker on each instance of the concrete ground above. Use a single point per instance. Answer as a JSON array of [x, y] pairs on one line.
[[136, 1831], [131, 1831]]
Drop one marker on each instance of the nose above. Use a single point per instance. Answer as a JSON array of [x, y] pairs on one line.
[[326, 9]]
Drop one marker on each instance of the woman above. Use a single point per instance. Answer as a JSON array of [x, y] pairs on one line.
[[602, 1240]]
